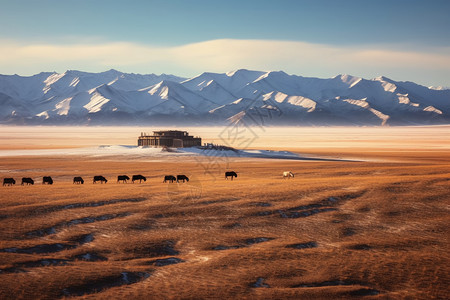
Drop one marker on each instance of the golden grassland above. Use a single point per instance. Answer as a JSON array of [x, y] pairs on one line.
[[373, 228]]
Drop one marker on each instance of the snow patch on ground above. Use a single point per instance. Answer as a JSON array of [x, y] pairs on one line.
[[240, 153], [134, 151]]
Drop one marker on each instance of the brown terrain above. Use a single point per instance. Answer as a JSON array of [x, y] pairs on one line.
[[373, 226]]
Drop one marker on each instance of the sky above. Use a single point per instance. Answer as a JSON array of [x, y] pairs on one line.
[[406, 40]]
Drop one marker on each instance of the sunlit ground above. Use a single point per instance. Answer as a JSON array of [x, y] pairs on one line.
[[372, 227]]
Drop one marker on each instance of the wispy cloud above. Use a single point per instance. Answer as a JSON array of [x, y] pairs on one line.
[[430, 66]]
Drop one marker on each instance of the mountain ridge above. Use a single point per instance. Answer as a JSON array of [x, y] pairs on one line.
[[249, 96]]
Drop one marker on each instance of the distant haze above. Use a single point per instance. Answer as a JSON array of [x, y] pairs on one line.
[[31, 139]]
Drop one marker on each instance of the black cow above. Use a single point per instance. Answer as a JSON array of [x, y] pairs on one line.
[[47, 180], [27, 180], [231, 174], [138, 177], [182, 177], [99, 178], [169, 178], [123, 178], [78, 180], [8, 181]]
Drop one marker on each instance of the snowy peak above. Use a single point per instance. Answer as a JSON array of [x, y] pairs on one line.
[[238, 72], [272, 97], [75, 81], [163, 88], [244, 74], [273, 75], [159, 89], [231, 81], [438, 88], [383, 78], [348, 79]]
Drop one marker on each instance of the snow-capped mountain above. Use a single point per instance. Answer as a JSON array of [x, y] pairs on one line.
[[253, 97]]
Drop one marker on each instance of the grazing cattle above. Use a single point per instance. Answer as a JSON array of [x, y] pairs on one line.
[[47, 180], [122, 178], [169, 178], [138, 177], [182, 177], [99, 178], [27, 180], [8, 181], [288, 174], [78, 180], [231, 174]]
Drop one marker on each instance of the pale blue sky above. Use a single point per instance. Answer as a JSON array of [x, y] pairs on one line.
[[402, 39]]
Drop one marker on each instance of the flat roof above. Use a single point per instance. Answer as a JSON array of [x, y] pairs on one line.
[[169, 131]]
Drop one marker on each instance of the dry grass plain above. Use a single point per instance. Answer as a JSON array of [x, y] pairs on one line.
[[374, 229]]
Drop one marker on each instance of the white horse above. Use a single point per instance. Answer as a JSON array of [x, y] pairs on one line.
[[288, 174]]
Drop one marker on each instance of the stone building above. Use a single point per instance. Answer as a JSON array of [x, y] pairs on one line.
[[169, 138]]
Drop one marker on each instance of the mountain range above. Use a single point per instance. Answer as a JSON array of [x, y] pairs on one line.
[[252, 97]]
